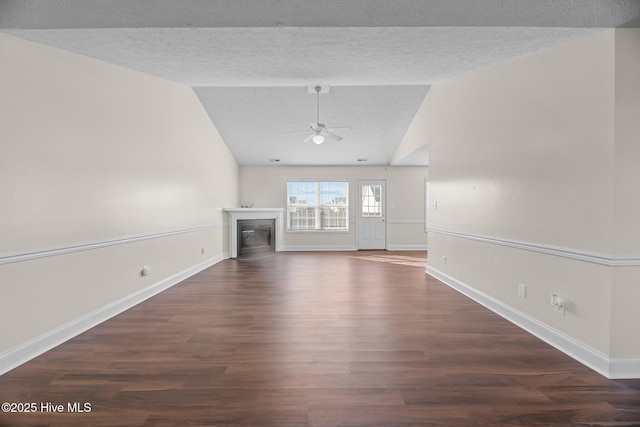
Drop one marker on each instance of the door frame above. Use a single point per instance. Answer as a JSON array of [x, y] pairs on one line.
[[359, 183]]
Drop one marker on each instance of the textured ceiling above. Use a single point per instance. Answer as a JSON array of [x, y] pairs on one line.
[[376, 115], [250, 61], [293, 56], [45, 14]]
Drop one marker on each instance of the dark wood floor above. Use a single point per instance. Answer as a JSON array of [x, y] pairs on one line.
[[315, 339]]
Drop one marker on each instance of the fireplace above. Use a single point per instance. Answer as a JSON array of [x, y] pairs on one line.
[[255, 236], [237, 215]]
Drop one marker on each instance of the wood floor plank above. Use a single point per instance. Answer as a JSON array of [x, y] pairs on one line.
[[315, 339]]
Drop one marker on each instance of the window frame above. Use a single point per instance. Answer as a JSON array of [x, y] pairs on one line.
[[318, 207]]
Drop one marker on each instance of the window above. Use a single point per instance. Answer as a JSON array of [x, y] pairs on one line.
[[371, 200], [317, 205]]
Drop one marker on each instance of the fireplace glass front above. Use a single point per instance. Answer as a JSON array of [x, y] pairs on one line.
[[255, 236]]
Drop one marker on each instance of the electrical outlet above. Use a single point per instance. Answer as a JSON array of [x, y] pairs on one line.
[[558, 304], [522, 290], [145, 270], [444, 259]]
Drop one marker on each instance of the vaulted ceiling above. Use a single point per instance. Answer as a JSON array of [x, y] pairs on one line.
[[251, 62]]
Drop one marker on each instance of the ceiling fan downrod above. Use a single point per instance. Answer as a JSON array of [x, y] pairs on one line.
[[318, 89], [318, 138]]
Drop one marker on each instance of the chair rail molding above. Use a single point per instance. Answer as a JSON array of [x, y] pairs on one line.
[[61, 250], [595, 258]]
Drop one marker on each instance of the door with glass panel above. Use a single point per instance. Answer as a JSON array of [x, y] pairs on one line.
[[372, 229]]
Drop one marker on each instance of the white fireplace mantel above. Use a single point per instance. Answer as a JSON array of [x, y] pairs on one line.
[[236, 214]]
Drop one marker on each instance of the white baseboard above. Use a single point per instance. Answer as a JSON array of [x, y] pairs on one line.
[[406, 247], [612, 368], [316, 248], [23, 353], [624, 368], [319, 248]]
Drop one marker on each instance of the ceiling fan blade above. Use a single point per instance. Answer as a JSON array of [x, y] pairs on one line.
[[333, 136], [338, 127], [296, 131], [308, 138]]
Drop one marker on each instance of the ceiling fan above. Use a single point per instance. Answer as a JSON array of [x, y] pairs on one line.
[[318, 132]]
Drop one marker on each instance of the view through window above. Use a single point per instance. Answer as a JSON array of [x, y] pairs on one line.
[[318, 205], [371, 200]]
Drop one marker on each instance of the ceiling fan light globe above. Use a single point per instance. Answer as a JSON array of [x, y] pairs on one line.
[[318, 139]]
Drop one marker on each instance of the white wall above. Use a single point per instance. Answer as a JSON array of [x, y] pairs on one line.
[[267, 187], [102, 171], [626, 279], [528, 142], [533, 165]]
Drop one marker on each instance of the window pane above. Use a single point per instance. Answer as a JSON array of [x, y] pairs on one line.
[[334, 193], [302, 218], [334, 218], [371, 200], [302, 193]]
